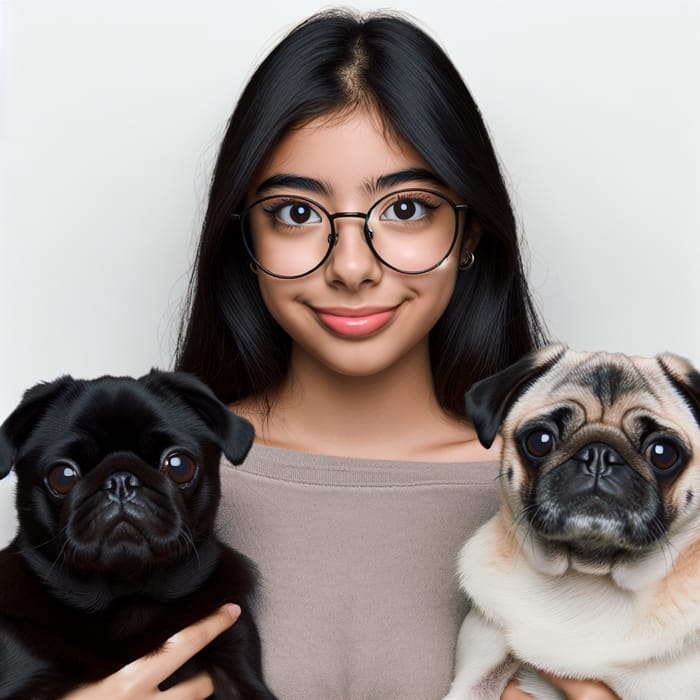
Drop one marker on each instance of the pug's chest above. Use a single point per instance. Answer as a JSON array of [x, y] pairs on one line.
[[86, 647], [594, 638], [45, 641], [579, 624]]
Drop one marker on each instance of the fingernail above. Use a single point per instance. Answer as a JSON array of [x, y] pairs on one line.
[[233, 610]]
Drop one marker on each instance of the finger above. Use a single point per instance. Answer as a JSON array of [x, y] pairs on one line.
[[514, 692], [582, 690], [198, 687], [182, 646]]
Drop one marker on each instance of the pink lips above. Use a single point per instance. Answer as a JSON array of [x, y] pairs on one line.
[[355, 322]]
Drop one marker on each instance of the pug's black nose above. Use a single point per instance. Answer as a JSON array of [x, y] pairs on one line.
[[598, 459], [121, 486]]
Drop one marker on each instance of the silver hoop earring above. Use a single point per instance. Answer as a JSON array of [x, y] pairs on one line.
[[253, 268], [467, 261]]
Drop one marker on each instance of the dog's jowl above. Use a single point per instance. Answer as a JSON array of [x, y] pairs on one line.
[[591, 569], [117, 491]]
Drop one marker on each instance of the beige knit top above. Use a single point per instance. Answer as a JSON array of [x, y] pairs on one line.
[[359, 598]]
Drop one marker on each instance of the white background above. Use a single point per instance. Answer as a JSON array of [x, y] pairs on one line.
[[112, 112]]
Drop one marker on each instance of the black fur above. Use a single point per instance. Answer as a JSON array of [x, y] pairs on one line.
[[105, 573], [609, 382]]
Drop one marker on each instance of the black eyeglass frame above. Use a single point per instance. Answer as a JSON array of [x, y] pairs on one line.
[[333, 235]]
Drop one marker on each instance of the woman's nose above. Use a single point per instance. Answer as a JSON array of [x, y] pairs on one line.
[[352, 263]]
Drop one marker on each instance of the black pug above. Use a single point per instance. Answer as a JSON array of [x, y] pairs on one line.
[[117, 491]]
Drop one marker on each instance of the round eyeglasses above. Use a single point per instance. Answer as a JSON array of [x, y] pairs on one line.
[[411, 231]]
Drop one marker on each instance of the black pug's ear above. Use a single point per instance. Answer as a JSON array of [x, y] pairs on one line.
[[684, 377], [235, 433], [19, 424], [488, 401]]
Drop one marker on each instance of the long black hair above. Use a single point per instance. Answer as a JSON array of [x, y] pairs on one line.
[[336, 61]]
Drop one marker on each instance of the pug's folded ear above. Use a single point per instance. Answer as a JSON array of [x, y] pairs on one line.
[[684, 377], [234, 434], [19, 425], [488, 401]]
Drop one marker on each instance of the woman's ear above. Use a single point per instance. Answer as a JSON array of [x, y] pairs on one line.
[[471, 236], [470, 240]]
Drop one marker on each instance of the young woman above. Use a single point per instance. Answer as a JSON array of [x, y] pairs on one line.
[[358, 270]]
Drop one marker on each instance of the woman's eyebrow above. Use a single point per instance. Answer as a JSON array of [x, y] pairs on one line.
[[404, 177], [297, 182]]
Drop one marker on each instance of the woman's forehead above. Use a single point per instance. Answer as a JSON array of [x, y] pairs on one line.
[[343, 152]]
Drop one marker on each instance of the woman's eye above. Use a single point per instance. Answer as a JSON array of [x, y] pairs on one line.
[[179, 466], [296, 214], [405, 210], [663, 455], [63, 477], [538, 443]]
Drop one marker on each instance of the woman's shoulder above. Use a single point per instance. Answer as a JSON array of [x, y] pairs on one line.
[[444, 440], [459, 444]]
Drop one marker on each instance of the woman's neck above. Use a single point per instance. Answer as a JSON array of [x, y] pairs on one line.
[[393, 414]]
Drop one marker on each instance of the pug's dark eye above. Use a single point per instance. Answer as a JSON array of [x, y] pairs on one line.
[[538, 443], [179, 466], [63, 477], [663, 455]]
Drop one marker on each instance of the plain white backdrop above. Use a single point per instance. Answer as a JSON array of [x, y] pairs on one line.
[[112, 113]]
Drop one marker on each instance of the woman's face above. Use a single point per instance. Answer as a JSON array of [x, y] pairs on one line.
[[353, 314]]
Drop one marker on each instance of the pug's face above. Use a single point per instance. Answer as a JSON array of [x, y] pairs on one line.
[[117, 477], [600, 451]]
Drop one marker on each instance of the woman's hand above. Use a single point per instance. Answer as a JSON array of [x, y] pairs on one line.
[[139, 680], [574, 690]]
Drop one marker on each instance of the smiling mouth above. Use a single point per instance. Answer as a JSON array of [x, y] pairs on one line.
[[355, 323]]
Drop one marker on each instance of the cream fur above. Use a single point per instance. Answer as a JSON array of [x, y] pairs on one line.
[[644, 644]]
